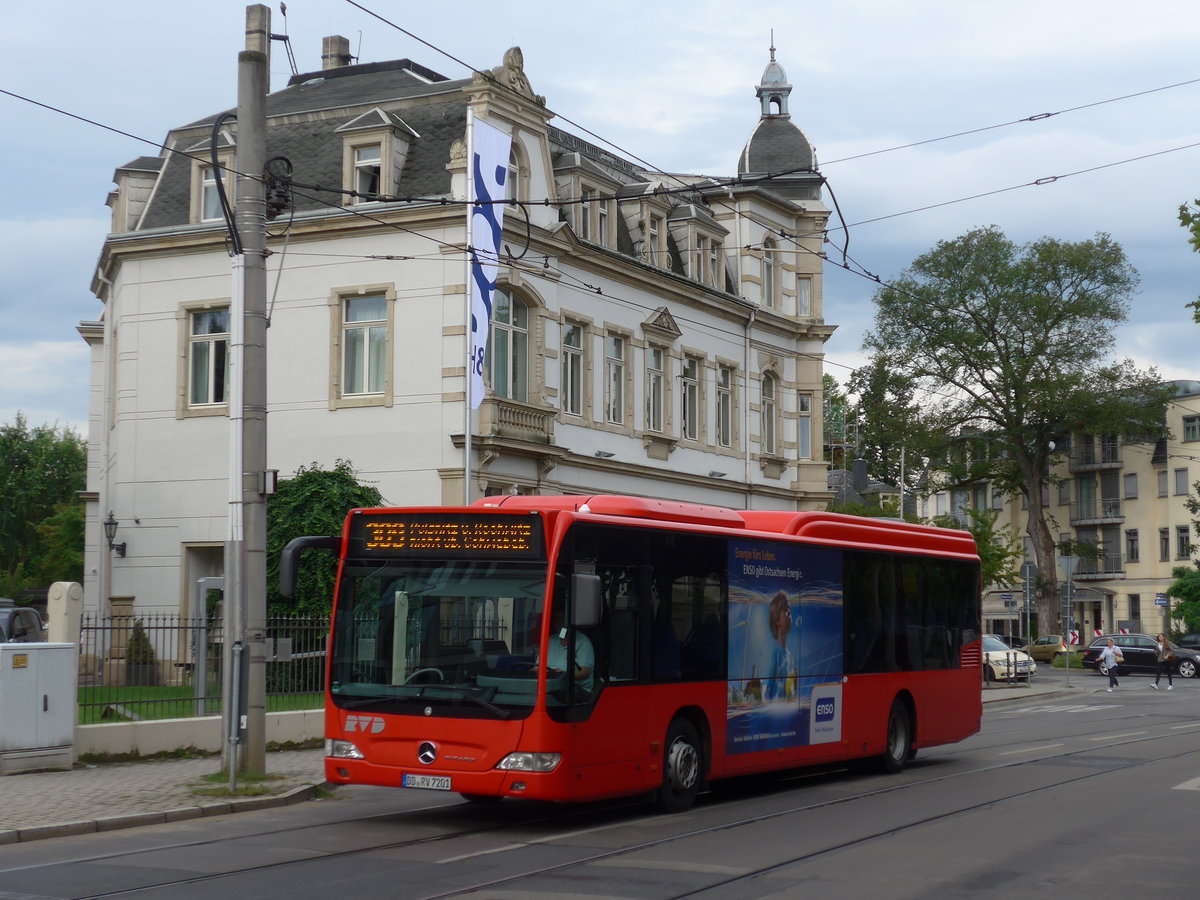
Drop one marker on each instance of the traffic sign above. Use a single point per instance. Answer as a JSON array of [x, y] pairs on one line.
[[1160, 599]]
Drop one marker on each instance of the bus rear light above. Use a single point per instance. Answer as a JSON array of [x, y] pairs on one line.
[[342, 750], [530, 762]]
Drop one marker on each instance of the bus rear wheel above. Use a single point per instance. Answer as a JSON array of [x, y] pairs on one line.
[[682, 767], [899, 739]]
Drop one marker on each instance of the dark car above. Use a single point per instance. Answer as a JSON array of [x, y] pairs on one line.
[[1190, 642], [19, 624], [1141, 655]]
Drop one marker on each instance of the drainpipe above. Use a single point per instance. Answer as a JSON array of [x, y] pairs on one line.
[[746, 406]]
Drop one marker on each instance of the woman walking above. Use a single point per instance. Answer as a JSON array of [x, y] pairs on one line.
[[1110, 656], [1165, 656]]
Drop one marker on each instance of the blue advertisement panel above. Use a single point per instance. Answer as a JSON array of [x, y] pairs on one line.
[[785, 646]]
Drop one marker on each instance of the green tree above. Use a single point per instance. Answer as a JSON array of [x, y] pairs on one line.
[[40, 468], [1186, 589], [314, 502], [1012, 344], [889, 436], [62, 539], [1189, 218], [836, 411]]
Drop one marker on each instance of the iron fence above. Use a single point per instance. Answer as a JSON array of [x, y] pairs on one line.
[[169, 666]]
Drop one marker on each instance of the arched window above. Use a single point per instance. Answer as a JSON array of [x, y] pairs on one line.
[[508, 346], [769, 411], [770, 275]]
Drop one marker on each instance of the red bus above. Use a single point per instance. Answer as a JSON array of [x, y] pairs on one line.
[[578, 648]]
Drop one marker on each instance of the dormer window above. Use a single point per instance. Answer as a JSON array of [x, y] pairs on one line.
[[698, 273], [368, 172], [770, 275], [210, 198], [602, 223], [654, 232], [585, 214]]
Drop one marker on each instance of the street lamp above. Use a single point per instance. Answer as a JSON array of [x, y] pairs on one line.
[[110, 532]]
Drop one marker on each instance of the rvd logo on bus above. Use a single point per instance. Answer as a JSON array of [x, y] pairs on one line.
[[373, 724]]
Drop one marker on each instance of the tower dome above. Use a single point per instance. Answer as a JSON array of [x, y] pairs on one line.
[[776, 145]]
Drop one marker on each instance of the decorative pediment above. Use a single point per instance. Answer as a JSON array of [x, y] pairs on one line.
[[511, 74], [662, 324], [377, 118], [225, 141]]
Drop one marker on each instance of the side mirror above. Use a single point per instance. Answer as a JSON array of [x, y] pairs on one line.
[[585, 600]]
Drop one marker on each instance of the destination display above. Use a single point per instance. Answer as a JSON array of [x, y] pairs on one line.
[[448, 535]]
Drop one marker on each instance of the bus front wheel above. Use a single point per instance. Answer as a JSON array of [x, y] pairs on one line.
[[682, 767], [899, 739]]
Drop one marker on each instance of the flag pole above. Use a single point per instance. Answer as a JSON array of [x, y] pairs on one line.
[[467, 333]]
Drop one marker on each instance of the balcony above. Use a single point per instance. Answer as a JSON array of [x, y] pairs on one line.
[[1092, 456], [500, 417], [1097, 512], [1107, 566]]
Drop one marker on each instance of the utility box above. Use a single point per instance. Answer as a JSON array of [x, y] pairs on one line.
[[37, 707]]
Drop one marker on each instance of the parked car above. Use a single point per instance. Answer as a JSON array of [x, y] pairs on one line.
[[1014, 642], [1190, 642], [1141, 655], [19, 624], [1048, 646], [1001, 662]]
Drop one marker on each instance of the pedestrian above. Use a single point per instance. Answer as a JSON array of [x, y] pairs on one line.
[[1111, 656], [1166, 658]]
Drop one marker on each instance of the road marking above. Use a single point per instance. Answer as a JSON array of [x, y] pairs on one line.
[[1037, 749], [1192, 785], [503, 848], [1109, 737], [1179, 727], [1055, 709]]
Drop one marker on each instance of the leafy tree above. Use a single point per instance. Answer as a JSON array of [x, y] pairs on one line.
[[315, 502], [888, 417], [1012, 342], [835, 415], [63, 539], [1186, 589], [40, 468], [1189, 218]]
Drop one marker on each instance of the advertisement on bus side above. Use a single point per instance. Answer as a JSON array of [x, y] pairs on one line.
[[785, 646]]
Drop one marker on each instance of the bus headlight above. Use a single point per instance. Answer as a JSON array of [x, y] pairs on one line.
[[342, 750], [530, 762]]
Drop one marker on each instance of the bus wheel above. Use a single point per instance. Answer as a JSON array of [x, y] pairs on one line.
[[681, 767], [899, 739]]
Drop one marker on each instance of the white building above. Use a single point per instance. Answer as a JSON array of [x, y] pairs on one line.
[[655, 334]]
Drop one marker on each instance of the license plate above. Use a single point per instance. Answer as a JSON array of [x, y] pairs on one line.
[[429, 782]]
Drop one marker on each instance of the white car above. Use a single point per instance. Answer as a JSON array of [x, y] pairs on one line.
[[1001, 663]]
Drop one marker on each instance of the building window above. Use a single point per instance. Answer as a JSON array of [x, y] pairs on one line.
[[368, 172], [770, 274], [1162, 483], [507, 357], [1183, 541], [614, 379], [941, 503], [364, 344], [654, 389], [512, 179], [997, 498], [1132, 550], [804, 409], [1181, 482], [1135, 606], [654, 241], [1131, 486], [1064, 493], [690, 399], [701, 260], [208, 357], [1164, 544], [769, 411], [804, 296], [210, 198], [1191, 428], [724, 406], [602, 223], [714, 264], [572, 369], [585, 214]]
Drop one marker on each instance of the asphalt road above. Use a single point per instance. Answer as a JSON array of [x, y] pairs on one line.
[[1071, 795]]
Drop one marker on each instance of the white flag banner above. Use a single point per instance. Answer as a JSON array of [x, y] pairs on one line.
[[488, 172]]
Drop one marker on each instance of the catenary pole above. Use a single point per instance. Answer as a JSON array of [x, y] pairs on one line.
[[245, 554]]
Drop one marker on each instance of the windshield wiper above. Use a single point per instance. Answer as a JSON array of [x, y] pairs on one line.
[[474, 698]]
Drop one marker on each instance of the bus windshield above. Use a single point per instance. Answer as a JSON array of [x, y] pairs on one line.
[[458, 636]]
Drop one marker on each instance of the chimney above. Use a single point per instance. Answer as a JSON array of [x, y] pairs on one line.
[[335, 52], [860, 475]]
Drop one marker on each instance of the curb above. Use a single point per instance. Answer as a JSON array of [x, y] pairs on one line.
[[136, 820]]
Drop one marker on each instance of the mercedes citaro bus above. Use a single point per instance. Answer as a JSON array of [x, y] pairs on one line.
[[576, 648]]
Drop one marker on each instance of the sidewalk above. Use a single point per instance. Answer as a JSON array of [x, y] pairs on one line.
[[123, 795]]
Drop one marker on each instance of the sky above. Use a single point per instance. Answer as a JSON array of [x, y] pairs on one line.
[[673, 84]]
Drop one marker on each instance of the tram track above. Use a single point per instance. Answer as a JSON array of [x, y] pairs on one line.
[[557, 821]]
